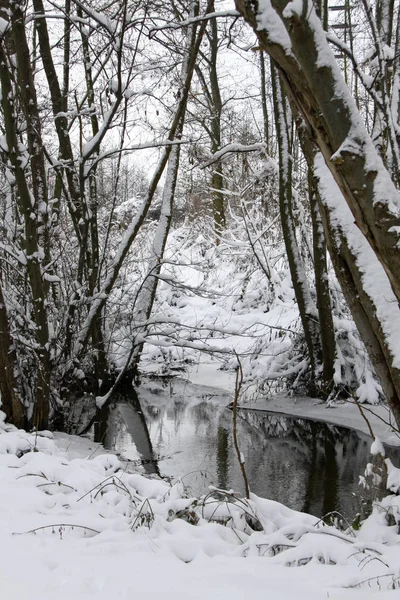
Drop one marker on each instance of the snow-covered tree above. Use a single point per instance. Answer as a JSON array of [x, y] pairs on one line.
[[356, 179]]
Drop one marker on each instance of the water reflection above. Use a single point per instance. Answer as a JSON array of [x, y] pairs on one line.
[[122, 427], [307, 465]]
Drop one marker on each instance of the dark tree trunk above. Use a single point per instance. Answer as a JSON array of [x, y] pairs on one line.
[[307, 309], [11, 403]]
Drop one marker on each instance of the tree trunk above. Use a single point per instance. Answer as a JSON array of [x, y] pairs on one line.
[[217, 181], [364, 285], [10, 401], [28, 202], [324, 304], [307, 309], [147, 294]]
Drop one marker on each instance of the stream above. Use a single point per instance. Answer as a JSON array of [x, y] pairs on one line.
[[178, 429]]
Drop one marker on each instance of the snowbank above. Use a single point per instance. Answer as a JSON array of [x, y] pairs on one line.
[[82, 528]]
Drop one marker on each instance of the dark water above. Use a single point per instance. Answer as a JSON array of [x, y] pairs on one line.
[[185, 430]]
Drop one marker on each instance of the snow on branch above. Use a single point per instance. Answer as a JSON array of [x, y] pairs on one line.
[[134, 148], [102, 20], [230, 149], [213, 15], [366, 80]]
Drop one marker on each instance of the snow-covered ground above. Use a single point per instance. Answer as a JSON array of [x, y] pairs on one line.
[[214, 307], [75, 524]]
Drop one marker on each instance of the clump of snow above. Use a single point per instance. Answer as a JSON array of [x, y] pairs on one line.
[[268, 19], [18, 442], [377, 447]]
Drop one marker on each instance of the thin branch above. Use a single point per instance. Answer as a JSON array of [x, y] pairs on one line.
[[238, 387]]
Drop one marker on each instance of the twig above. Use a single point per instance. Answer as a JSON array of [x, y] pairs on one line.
[[335, 512], [149, 515], [376, 578], [102, 484], [388, 423], [56, 525], [59, 483], [235, 500], [364, 416], [238, 386]]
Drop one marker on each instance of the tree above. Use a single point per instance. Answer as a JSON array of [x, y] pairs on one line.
[[62, 253], [294, 37], [212, 122], [19, 99], [305, 302]]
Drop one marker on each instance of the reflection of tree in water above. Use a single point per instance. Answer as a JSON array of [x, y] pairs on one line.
[[223, 451], [121, 425], [152, 412], [204, 414], [307, 465], [159, 400], [326, 459], [178, 402]]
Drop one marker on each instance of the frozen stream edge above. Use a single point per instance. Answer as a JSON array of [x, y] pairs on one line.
[[345, 414]]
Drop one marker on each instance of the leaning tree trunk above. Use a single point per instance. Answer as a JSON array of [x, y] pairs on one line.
[[147, 294], [354, 264], [364, 285]]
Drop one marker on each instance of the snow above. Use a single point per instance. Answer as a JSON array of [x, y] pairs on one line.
[[268, 19], [342, 413], [377, 447], [293, 9], [3, 26], [75, 523], [393, 482], [374, 278], [219, 300]]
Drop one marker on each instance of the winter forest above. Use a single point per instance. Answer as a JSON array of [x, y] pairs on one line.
[[200, 207]]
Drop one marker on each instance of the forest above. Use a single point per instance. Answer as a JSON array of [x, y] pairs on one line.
[[199, 299], [264, 137]]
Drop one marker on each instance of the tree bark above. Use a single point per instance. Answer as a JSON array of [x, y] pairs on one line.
[[217, 180], [11, 403], [28, 202], [324, 304]]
